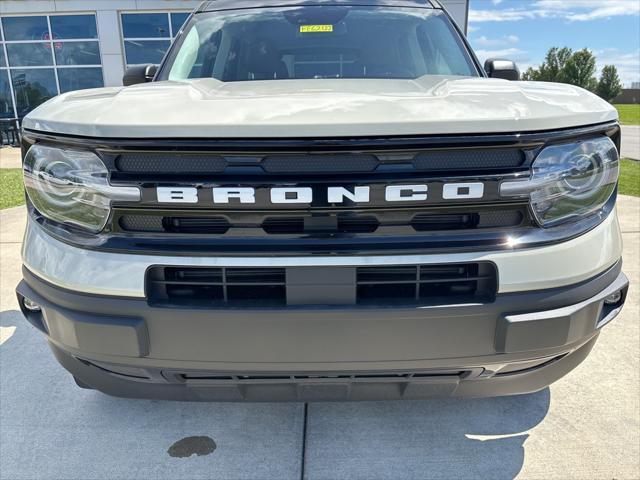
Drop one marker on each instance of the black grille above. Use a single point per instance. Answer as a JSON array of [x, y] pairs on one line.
[[501, 218], [379, 285], [470, 159], [170, 162], [320, 163], [203, 163], [185, 225], [268, 378], [283, 225], [328, 224], [235, 223], [459, 221], [426, 282], [217, 286], [197, 225], [141, 223]]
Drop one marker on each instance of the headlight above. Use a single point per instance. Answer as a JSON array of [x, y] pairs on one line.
[[71, 186], [569, 181]]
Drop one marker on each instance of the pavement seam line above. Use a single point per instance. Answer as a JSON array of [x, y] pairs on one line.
[[304, 441]]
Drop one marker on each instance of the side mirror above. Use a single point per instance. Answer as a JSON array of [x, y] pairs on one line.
[[505, 69], [139, 74]]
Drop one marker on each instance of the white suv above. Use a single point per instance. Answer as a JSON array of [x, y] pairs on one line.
[[327, 200]]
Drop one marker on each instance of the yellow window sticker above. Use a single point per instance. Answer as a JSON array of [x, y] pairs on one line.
[[316, 28]]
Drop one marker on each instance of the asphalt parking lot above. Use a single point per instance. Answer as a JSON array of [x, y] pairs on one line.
[[585, 426]]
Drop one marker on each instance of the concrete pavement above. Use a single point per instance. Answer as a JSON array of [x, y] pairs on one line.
[[586, 426], [630, 141], [10, 157]]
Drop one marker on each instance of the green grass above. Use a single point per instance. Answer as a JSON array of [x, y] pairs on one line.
[[629, 177], [11, 190], [629, 114]]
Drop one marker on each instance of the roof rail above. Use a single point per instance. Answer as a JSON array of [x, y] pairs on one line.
[[209, 5], [202, 7]]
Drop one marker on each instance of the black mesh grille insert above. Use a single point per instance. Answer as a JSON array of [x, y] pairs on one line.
[[469, 159], [142, 163], [141, 223], [169, 162], [320, 163], [185, 225], [429, 222], [500, 218], [401, 223]]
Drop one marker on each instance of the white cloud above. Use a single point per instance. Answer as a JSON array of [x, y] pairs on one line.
[[571, 10], [627, 63], [496, 2], [511, 53], [583, 10], [507, 15], [484, 41]]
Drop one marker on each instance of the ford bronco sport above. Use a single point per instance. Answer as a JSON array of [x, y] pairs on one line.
[[321, 200]]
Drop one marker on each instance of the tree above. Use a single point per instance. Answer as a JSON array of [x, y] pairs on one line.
[[579, 70], [563, 65], [609, 86], [530, 74], [553, 67]]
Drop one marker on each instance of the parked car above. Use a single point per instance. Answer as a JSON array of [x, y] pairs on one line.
[[328, 200]]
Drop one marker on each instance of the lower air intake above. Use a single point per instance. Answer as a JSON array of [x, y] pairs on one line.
[[394, 285]]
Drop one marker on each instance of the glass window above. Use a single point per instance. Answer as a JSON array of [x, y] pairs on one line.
[[78, 53], [177, 20], [25, 28], [73, 26], [29, 54], [145, 51], [31, 47], [32, 87], [79, 78], [145, 25], [6, 106], [319, 42]]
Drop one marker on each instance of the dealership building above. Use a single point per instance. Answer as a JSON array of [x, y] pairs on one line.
[[48, 47]]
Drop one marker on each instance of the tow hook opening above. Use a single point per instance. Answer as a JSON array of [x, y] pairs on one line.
[[614, 299], [32, 311], [31, 305], [611, 306]]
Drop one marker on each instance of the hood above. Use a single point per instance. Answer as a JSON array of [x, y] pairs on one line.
[[208, 108]]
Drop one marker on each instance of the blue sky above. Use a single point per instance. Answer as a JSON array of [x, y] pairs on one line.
[[523, 30]]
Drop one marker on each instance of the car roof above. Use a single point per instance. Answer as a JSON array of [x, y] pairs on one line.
[[213, 5]]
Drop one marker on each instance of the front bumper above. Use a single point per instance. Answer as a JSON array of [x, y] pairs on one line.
[[520, 343]]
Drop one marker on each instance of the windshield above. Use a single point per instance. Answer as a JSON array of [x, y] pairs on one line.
[[318, 42]]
